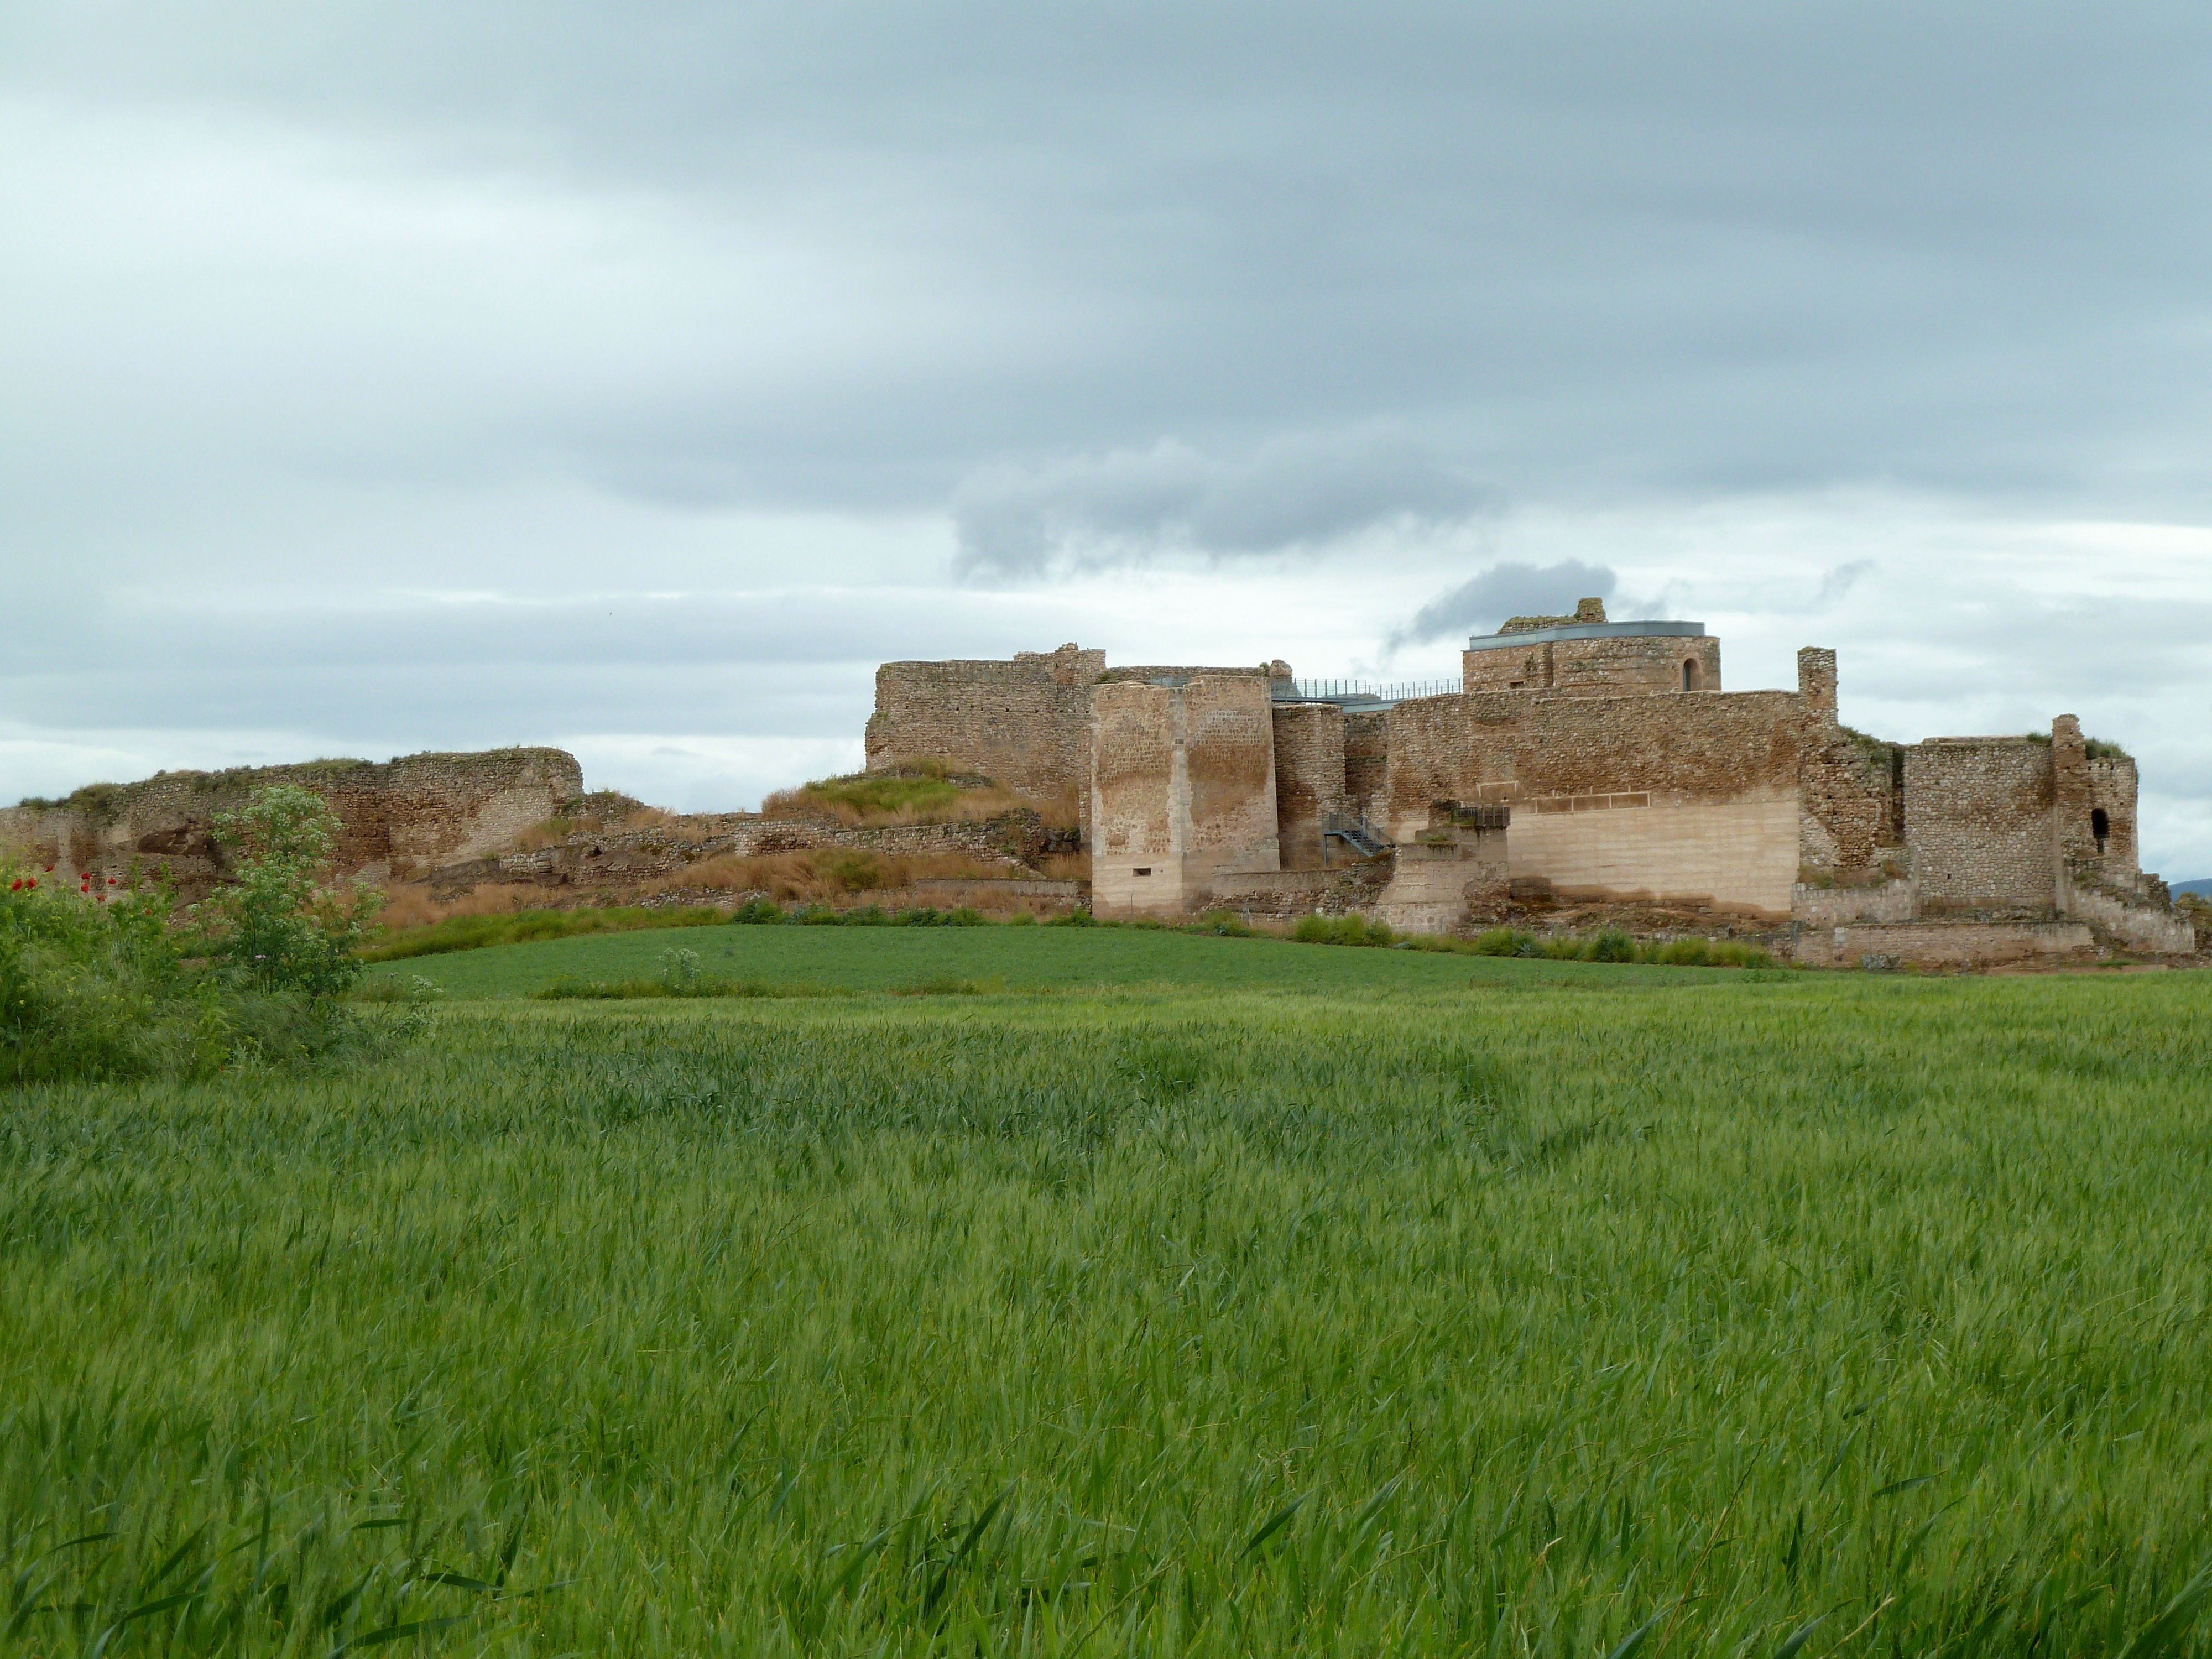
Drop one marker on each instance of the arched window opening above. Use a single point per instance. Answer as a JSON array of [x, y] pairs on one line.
[[2100, 825], [1690, 674]]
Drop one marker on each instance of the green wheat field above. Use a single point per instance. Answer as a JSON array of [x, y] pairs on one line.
[[1185, 1297]]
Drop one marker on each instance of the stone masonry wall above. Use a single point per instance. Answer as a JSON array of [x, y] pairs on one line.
[[1366, 762], [1690, 797], [2112, 786], [1309, 778], [1977, 816], [1024, 723], [1940, 944], [1850, 821], [395, 819], [1615, 663], [1135, 798], [1184, 785], [1611, 665]]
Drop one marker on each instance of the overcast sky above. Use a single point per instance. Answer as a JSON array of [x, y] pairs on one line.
[[634, 378]]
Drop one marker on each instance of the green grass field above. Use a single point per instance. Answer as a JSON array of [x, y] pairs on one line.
[[1431, 1306], [1019, 959]]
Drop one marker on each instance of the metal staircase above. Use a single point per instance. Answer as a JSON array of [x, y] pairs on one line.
[[1355, 831]]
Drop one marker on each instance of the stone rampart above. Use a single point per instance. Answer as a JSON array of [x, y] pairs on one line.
[[1940, 944], [1308, 779], [1183, 786], [396, 819], [1680, 798], [1978, 816], [1022, 723]]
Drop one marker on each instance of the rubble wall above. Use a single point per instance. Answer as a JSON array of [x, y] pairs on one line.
[[1978, 816], [1024, 723], [1310, 778]]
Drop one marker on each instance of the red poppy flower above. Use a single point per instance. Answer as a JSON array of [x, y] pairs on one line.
[[110, 881]]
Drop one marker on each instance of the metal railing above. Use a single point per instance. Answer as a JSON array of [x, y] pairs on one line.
[[1361, 690], [1353, 828]]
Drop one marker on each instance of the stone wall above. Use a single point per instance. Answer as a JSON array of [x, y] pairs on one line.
[[1833, 907], [1024, 723], [1366, 762], [1310, 779], [396, 819], [1688, 799], [1182, 785], [2112, 785], [1632, 663], [1610, 664], [1456, 873], [1940, 944], [1978, 818]]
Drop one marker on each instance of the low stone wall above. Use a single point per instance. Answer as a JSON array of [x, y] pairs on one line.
[[1835, 907], [2134, 926], [955, 890], [1286, 895], [1940, 944], [615, 859]]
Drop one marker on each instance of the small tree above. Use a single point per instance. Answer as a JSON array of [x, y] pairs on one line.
[[281, 928]]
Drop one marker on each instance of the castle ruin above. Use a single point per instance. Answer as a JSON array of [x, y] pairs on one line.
[[1577, 758]]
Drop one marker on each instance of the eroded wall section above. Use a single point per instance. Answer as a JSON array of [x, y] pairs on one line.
[[1183, 787], [1025, 722], [1623, 798]]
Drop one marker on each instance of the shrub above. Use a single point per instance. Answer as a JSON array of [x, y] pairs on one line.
[[1352, 929], [1611, 945], [759, 912], [276, 927], [1503, 942], [1078, 917], [1730, 954], [1684, 953], [966, 916]]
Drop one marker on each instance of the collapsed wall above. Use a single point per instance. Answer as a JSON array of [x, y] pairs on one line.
[[397, 819]]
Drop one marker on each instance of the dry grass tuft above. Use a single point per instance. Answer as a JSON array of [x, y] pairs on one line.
[[917, 792], [411, 904], [823, 875]]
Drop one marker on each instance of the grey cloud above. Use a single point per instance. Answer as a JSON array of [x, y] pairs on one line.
[[1838, 581], [1130, 506], [1503, 591]]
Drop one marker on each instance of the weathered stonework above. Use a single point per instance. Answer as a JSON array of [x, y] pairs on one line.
[[1183, 786], [1024, 723], [396, 819], [1310, 779], [1631, 776], [1454, 874]]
